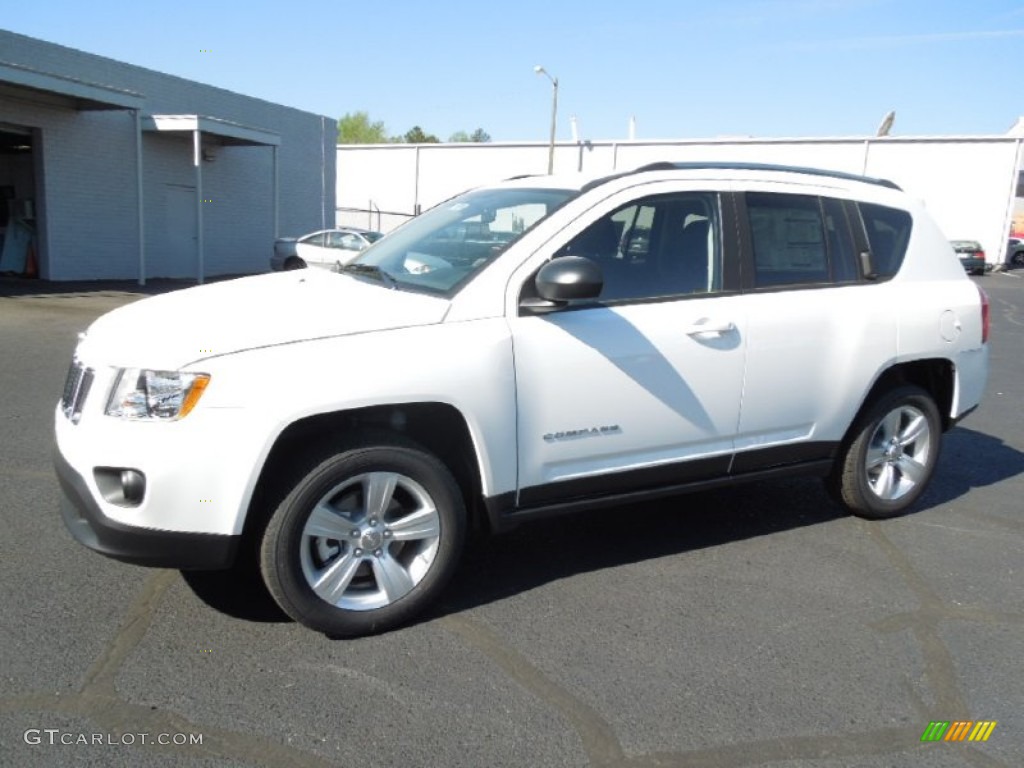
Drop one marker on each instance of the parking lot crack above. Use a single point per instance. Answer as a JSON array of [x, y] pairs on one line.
[[116, 716], [596, 735], [923, 623], [98, 701], [100, 679], [882, 741]]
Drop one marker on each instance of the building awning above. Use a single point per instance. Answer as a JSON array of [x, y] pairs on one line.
[[19, 81], [225, 131], [203, 129]]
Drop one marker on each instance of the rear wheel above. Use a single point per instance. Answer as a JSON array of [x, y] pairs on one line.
[[1018, 259], [294, 262], [365, 540], [891, 457]]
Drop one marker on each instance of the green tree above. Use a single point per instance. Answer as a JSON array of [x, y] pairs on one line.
[[479, 136], [356, 128], [415, 135]]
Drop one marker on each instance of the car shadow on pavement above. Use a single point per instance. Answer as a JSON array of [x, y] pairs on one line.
[[238, 592], [543, 551], [970, 459]]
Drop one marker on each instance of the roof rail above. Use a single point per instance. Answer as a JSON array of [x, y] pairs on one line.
[[736, 166]]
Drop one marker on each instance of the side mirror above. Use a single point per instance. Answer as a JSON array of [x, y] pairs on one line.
[[569, 277]]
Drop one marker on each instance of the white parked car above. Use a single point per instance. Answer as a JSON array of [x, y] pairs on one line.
[[328, 248], [542, 345]]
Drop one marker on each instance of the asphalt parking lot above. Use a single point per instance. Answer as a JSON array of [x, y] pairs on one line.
[[749, 626]]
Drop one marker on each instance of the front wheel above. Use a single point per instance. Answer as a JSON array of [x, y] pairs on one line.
[[891, 456], [365, 540]]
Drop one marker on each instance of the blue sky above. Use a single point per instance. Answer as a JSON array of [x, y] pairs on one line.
[[683, 69]]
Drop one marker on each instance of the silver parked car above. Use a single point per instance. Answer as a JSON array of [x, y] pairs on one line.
[[327, 248]]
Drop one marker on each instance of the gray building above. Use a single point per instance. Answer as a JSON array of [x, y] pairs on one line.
[[109, 170]]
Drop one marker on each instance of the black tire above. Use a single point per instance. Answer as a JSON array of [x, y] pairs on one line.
[[1018, 259], [900, 471], [377, 573], [294, 262]]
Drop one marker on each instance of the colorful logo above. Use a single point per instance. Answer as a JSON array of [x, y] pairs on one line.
[[959, 730]]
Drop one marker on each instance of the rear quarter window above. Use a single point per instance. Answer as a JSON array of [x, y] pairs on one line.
[[888, 232]]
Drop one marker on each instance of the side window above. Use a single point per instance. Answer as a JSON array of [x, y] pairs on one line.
[[788, 239], [888, 231], [667, 245], [350, 242], [317, 239]]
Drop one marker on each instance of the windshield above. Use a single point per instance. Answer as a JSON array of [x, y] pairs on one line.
[[441, 250]]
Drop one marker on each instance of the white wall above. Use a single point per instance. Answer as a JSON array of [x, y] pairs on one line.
[[967, 183], [968, 186]]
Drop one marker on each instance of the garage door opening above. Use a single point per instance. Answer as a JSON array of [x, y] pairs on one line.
[[19, 241]]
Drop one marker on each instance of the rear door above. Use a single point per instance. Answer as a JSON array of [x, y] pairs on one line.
[[818, 331]]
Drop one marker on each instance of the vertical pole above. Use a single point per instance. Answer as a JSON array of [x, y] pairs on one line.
[[323, 180], [197, 161], [138, 190], [1011, 206], [416, 183], [277, 213], [554, 118]]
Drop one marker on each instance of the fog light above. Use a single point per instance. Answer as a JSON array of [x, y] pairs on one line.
[[120, 485], [133, 485]]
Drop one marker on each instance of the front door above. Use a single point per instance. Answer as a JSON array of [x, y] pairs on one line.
[[641, 388]]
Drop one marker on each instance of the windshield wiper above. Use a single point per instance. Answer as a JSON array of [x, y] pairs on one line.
[[372, 270]]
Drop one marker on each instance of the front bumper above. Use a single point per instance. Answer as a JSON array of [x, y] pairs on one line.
[[141, 546]]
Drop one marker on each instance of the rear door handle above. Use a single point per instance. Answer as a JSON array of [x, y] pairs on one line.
[[706, 327]]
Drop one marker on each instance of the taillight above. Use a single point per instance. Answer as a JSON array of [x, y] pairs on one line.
[[980, 255], [984, 314]]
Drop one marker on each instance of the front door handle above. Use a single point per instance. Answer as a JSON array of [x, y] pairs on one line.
[[706, 327]]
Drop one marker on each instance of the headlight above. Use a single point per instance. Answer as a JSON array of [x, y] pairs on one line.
[[140, 394]]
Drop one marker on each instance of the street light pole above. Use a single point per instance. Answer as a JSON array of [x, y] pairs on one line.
[[554, 115]]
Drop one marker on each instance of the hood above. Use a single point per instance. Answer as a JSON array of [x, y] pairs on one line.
[[169, 331]]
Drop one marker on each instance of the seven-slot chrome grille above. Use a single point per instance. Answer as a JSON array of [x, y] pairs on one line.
[[76, 388]]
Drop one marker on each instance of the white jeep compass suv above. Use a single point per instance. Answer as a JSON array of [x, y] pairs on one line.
[[544, 344]]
